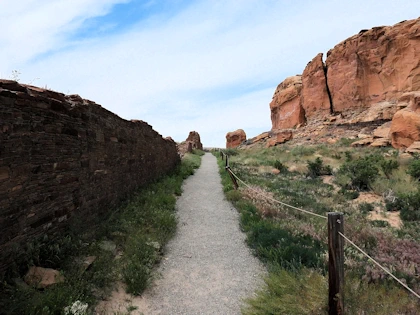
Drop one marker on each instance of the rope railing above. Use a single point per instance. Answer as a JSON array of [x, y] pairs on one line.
[[228, 169]]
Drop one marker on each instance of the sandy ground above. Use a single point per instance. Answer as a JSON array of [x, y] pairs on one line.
[[207, 268]]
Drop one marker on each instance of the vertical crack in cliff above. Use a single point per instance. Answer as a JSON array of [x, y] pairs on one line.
[[327, 87]]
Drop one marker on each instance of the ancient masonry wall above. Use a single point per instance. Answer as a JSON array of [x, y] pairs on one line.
[[62, 156]]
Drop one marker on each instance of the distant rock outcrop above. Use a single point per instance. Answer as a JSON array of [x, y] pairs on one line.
[[371, 77], [235, 138], [193, 141]]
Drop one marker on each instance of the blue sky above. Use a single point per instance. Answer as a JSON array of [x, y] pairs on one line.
[[209, 66]]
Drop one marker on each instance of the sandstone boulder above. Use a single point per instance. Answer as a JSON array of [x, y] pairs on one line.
[[279, 138], [315, 98], [261, 137], [42, 277], [414, 147], [235, 138], [286, 109], [382, 131], [362, 142], [405, 128]]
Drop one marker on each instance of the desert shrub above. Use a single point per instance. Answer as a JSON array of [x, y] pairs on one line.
[[277, 245], [280, 166], [379, 223], [388, 166], [316, 168], [365, 207], [231, 152], [414, 169], [349, 156], [346, 141], [361, 172], [302, 150], [408, 204]]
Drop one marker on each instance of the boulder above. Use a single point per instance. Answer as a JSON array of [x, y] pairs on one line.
[[261, 137], [279, 138], [315, 98], [380, 142], [362, 142], [405, 128], [42, 277], [414, 147], [286, 109], [235, 138], [382, 131], [375, 65], [195, 140]]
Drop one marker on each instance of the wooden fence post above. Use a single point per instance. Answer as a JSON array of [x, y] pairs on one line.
[[227, 161], [335, 264], [221, 154]]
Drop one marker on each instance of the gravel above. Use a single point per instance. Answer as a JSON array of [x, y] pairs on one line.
[[207, 268]]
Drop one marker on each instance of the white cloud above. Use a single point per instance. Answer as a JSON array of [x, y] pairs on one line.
[[181, 73]]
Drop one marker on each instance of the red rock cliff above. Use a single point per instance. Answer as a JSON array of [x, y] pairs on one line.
[[367, 78]]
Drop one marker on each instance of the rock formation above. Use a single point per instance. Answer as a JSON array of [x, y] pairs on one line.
[[315, 94], [194, 138], [370, 77], [192, 142], [286, 109], [235, 138]]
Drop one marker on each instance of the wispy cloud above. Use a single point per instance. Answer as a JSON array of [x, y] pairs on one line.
[[210, 66]]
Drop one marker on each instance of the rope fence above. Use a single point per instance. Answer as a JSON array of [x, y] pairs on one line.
[[232, 174]]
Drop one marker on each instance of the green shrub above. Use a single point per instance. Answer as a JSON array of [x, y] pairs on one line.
[[302, 150], [361, 172], [277, 245], [231, 151], [388, 166], [316, 168], [408, 204], [414, 169], [365, 207], [280, 166], [379, 223]]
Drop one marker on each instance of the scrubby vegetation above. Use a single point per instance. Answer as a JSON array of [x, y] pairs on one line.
[[127, 243], [293, 245]]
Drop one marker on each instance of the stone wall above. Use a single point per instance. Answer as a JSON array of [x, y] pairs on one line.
[[61, 155]]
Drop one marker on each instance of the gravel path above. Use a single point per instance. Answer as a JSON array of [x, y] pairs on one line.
[[208, 269]]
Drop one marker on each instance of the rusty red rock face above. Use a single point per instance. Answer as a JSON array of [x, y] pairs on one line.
[[235, 138]]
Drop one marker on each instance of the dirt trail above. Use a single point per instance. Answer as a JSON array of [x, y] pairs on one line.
[[207, 269]]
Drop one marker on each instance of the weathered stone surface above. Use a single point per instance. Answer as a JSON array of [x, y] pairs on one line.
[[405, 128], [279, 138], [315, 98], [63, 156], [362, 142], [382, 131], [235, 138], [286, 109], [375, 65], [261, 137], [414, 147], [42, 277], [380, 142], [195, 140]]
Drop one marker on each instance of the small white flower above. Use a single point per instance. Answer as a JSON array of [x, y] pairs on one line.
[[78, 308]]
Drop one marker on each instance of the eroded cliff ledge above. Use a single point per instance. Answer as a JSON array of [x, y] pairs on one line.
[[366, 78]]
